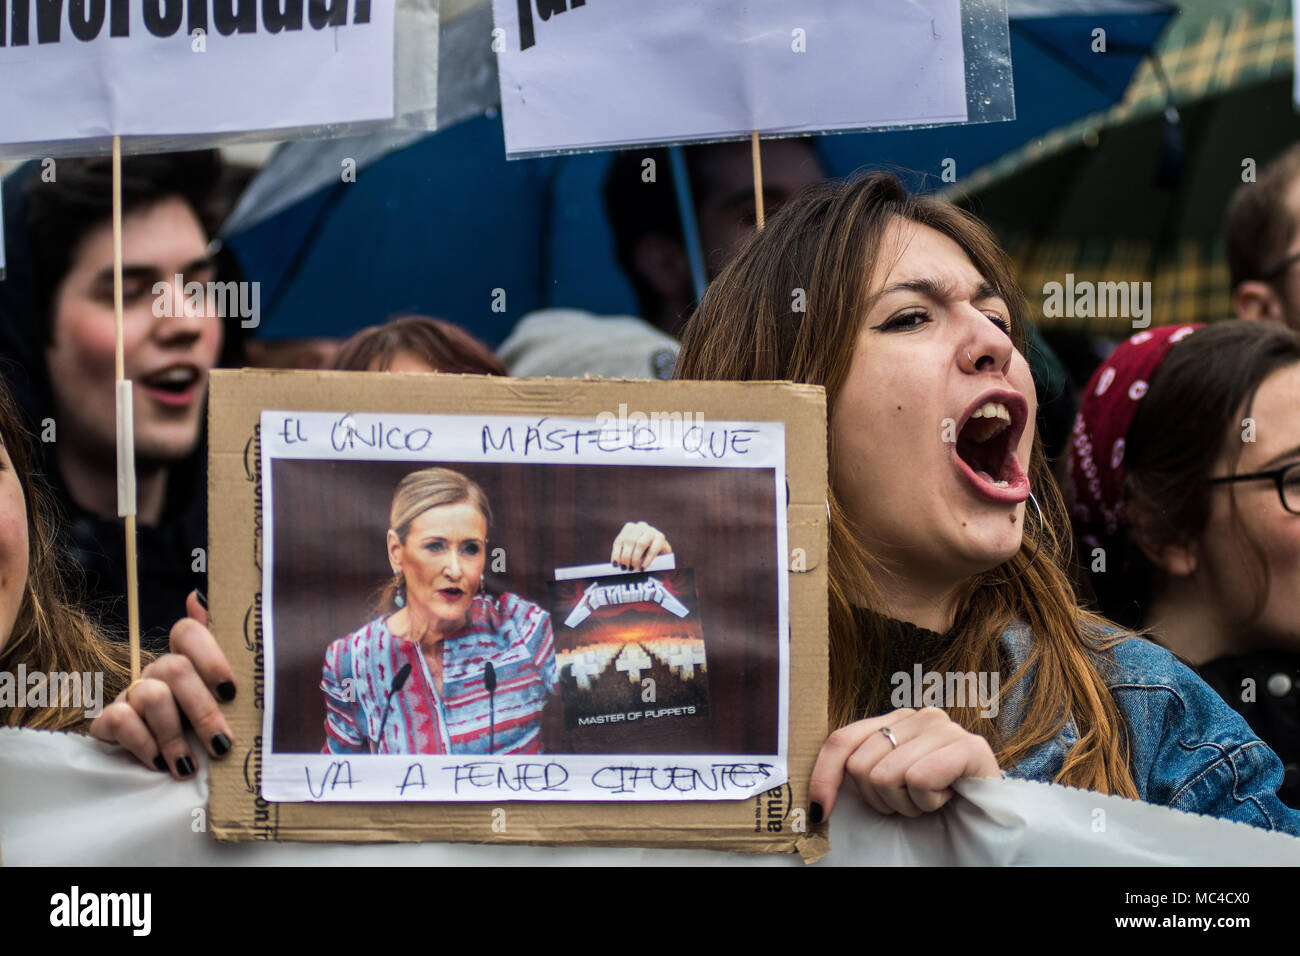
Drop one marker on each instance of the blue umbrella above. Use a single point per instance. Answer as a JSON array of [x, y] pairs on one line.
[[447, 227]]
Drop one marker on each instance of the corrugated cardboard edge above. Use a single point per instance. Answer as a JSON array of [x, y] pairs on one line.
[[814, 846], [236, 810]]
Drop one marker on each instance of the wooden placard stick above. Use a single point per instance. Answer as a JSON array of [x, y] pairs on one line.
[[125, 425], [758, 179]]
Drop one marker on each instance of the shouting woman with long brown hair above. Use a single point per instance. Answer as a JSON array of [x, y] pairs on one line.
[[948, 538]]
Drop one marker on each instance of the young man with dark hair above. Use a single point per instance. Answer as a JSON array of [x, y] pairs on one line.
[[1263, 243], [649, 239], [641, 203], [57, 340]]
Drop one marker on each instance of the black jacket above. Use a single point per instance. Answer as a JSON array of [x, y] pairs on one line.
[[1272, 679]]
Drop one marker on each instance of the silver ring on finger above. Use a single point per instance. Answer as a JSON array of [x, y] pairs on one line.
[[889, 735]]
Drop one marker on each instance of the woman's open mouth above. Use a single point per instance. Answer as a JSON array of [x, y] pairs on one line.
[[451, 594], [987, 439], [176, 386]]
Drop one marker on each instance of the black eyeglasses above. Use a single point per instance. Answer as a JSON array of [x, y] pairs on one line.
[[1287, 479], [1281, 267]]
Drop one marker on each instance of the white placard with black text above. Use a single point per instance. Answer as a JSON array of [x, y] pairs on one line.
[[592, 74], [326, 439], [168, 67]]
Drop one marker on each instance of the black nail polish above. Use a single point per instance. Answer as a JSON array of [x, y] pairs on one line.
[[203, 598], [815, 813], [226, 691], [221, 744], [184, 766], [160, 763]]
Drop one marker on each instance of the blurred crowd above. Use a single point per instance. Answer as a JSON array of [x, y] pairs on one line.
[[1175, 455]]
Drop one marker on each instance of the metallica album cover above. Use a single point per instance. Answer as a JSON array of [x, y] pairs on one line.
[[629, 647]]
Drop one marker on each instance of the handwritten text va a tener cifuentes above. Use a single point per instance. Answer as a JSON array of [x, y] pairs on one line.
[[501, 778]]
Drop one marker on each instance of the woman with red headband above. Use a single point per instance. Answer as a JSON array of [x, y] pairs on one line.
[[1186, 468]]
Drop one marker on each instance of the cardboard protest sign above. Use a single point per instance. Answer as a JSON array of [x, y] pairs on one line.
[[80, 71], [683, 703], [593, 74]]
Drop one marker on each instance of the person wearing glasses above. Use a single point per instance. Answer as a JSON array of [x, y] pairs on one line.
[[1262, 243], [1185, 462]]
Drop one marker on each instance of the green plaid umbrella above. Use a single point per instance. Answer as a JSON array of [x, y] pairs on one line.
[[1124, 196]]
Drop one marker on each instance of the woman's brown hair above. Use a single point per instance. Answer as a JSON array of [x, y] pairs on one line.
[[827, 243], [51, 634], [443, 346]]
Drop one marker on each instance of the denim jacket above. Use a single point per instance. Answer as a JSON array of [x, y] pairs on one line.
[[1187, 748]]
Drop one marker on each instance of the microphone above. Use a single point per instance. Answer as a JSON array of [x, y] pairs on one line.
[[490, 682], [398, 683]]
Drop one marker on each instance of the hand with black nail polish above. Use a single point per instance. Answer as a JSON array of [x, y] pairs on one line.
[[188, 684], [636, 545]]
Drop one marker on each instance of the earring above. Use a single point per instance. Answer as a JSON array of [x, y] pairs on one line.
[[399, 594]]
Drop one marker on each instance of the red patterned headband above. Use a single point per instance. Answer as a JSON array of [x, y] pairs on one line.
[[1106, 411]]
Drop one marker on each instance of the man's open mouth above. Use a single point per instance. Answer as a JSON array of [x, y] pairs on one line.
[[175, 380], [987, 439]]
